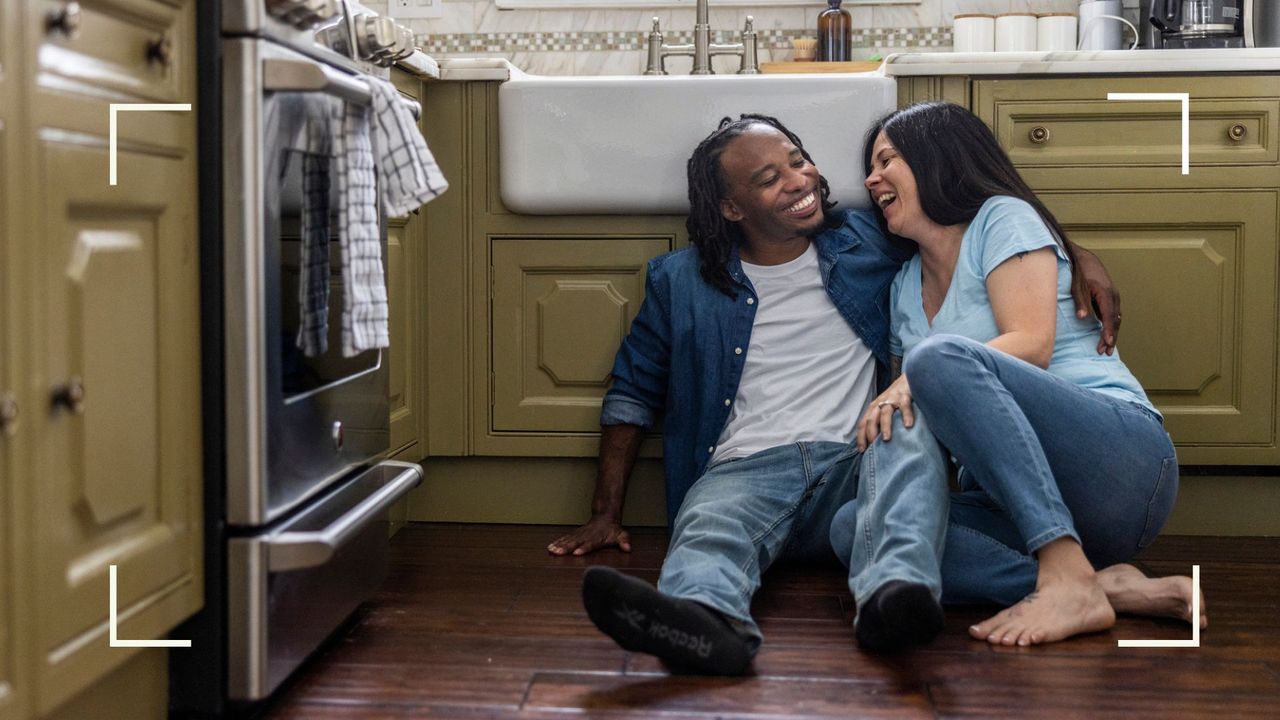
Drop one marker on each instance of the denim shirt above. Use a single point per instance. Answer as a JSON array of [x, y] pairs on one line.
[[684, 354]]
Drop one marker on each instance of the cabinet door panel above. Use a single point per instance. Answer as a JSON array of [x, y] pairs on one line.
[[1197, 274], [119, 483], [8, 385], [560, 310], [402, 305]]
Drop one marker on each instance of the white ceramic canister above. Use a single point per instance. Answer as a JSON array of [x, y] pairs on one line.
[[1015, 32], [1055, 32], [973, 32]]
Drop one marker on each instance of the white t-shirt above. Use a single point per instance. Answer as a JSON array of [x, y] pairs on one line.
[[807, 375]]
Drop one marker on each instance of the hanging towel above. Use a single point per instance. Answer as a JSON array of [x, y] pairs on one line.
[[364, 290], [313, 261], [409, 174]]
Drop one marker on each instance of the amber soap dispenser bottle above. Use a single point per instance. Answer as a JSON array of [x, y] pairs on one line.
[[835, 33]]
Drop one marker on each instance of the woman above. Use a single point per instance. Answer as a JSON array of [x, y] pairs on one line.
[[1066, 464]]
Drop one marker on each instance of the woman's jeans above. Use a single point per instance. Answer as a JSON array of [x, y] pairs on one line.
[[745, 513], [1042, 459]]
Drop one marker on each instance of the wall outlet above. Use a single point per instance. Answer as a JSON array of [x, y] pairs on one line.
[[415, 8]]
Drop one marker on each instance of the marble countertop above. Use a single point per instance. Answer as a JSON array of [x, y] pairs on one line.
[[421, 65], [1084, 62], [477, 69]]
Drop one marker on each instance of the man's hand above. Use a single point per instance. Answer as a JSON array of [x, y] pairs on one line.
[[1093, 292], [599, 532]]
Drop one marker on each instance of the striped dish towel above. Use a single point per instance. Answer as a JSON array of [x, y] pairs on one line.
[[409, 174], [364, 288]]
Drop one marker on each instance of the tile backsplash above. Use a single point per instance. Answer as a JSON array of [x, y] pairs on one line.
[[612, 42]]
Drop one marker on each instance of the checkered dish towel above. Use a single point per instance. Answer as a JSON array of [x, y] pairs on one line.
[[409, 177], [406, 168], [313, 264]]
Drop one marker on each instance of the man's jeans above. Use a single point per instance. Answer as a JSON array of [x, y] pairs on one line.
[[745, 513], [1043, 459]]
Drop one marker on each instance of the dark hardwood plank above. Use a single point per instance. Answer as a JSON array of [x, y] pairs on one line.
[[1007, 700], [718, 697], [1210, 549], [341, 681]]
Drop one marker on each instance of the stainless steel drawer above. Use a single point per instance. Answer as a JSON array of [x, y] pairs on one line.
[[291, 585]]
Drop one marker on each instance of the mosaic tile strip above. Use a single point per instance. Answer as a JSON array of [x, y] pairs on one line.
[[617, 40]]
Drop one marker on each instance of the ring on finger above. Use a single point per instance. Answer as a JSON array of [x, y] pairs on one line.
[[882, 403]]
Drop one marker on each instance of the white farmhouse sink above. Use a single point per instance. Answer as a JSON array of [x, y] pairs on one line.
[[619, 144]]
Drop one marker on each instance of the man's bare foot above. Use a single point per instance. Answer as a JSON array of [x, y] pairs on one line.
[[1058, 609], [1129, 591]]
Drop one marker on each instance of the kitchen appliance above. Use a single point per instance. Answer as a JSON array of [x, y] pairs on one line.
[[1261, 23], [296, 513], [1101, 26], [1199, 23]]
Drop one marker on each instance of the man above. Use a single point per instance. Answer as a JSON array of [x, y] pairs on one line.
[[760, 347]]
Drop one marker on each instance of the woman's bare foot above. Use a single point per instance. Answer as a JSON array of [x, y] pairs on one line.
[[1067, 601], [1129, 591], [1055, 611]]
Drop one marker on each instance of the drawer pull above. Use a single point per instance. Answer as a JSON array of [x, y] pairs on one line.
[[1237, 132], [1039, 135], [64, 20], [8, 414], [70, 396], [160, 50]]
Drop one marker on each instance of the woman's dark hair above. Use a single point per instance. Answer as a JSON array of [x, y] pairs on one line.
[[958, 165], [709, 231]]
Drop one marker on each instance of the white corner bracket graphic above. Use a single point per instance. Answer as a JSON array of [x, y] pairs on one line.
[[1195, 622], [111, 622], [134, 107], [1185, 99]]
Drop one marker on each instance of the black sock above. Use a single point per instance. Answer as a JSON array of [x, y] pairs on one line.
[[686, 635], [898, 615]]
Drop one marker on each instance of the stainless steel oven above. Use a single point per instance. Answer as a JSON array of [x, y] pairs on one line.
[[299, 532]]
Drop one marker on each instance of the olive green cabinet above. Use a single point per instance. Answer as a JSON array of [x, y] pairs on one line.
[[405, 264], [402, 299], [13, 691], [525, 312], [101, 334], [1197, 270], [1195, 255], [560, 308]]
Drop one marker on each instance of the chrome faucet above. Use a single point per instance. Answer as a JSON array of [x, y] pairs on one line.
[[702, 49]]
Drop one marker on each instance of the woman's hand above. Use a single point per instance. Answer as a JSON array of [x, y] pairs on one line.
[[878, 419]]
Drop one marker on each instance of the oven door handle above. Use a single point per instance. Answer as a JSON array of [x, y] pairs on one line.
[[302, 76], [297, 550]]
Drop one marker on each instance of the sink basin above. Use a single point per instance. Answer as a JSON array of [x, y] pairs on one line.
[[619, 144]]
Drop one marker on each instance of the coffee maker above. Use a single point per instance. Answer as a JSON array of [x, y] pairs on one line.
[[1198, 23]]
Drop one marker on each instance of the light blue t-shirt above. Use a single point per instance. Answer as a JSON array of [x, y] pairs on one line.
[[1004, 227]]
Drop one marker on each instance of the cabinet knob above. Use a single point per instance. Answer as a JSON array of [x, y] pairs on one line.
[[1237, 131], [8, 414], [160, 50], [1039, 135], [70, 396], [65, 20]]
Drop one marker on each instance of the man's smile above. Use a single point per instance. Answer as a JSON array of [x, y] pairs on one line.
[[804, 206]]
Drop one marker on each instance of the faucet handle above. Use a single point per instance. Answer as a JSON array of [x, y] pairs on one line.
[[749, 27], [656, 29]]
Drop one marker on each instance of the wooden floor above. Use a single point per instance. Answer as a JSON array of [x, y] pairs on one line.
[[477, 621]]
